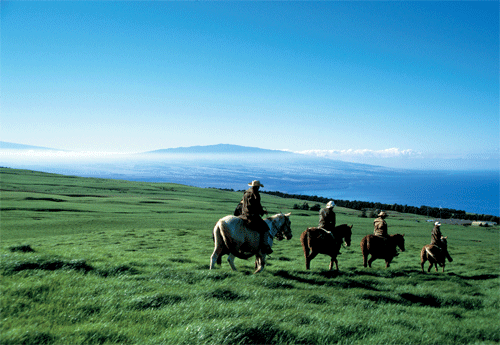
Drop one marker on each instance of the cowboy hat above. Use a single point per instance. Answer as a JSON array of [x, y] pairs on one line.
[[256, 183], [437, 223], [382, 214], [330, 204]]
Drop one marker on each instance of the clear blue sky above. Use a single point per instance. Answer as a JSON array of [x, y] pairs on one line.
[[419, 79]]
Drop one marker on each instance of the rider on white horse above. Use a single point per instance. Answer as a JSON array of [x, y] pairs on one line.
[[251, 213]]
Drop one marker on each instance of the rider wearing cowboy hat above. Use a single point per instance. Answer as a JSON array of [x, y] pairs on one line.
[[436, 234], [327, 217], [380, 228], [252, 211]]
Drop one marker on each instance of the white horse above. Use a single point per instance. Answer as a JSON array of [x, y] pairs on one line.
[[232, 237]]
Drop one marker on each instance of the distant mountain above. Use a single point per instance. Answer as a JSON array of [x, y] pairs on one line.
[[13, 146], [219, 149], [253, 156]]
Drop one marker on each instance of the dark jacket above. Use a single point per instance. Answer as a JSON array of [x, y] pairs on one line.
[[327, 219], [252, 210], [251, 204]]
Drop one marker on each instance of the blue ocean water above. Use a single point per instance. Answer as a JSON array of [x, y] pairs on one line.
[[471, 191]]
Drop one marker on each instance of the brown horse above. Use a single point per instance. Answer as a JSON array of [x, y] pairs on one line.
[[381, 248], [435, 255], [317, 241]]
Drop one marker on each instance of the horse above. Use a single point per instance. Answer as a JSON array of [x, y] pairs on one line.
[[381, 248], [317, 241], [233, 237], [435, 255]]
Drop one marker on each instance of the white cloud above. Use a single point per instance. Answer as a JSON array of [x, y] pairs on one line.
[[361, 153]]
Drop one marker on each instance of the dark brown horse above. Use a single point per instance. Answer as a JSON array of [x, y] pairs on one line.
[[435, 255], [381, 248], [317, 241]]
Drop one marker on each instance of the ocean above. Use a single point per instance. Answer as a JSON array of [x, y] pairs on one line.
[[471, 191]]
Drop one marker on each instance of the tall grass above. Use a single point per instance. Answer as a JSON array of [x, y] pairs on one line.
[[89, 261]]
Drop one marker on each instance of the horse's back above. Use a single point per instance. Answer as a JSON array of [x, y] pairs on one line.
[[433, 252], [369, 240]]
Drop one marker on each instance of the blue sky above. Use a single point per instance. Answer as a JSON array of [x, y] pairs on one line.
[[407, 83]]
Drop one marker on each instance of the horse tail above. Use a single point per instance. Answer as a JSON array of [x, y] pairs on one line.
[[364, 245], [448, 256], [429, 253], [304, 240]]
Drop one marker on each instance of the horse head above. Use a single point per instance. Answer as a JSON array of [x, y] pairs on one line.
[[348, 234], [400, 241], [444, 242], [344, 231], [283, 225]]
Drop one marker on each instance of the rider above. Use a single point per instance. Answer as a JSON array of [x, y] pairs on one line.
[[380, 228], [251, 212], [436, 235], [436, 239], [327, 218]]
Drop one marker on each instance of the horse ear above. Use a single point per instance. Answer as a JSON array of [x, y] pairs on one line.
[[403, 235]]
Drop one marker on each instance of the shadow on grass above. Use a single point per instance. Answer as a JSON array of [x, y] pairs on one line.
[[24, 248], [13, 266], [46, 264], [154, 302], [344, 282], [29, 337], [224, 295]]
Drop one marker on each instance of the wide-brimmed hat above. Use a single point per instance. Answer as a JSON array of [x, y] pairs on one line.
[[437, 223], [256, 183], [330, 204], [382, 214]]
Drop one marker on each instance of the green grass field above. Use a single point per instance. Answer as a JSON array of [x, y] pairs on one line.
[[94, 261]]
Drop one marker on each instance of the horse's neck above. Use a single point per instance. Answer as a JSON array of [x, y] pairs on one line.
[[273, 226]]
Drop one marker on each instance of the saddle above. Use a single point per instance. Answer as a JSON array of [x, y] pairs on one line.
[[255, 223]]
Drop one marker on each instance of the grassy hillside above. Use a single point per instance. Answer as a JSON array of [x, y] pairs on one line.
[[93, 261]]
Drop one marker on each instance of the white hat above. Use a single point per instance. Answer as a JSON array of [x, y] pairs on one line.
[[437, 223], [256, 183], [330, 204]]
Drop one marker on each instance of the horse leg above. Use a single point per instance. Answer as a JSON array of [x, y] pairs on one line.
[[334, 260], [309, 258], [230, 260], [422, 262], [260, 262], [365, 259], [370, 261], [388, 262], [430, 266], [213, 260], [216, 257], [443, 266], [423, 259], [218, 247]]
